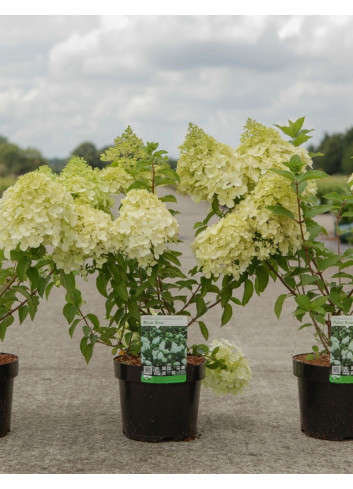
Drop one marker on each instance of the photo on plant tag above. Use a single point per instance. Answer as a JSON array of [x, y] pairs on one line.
[[342, 348], [164, 346]]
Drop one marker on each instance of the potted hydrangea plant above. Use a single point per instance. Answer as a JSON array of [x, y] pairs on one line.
[[26, 276], [267, 231], [134, 262]]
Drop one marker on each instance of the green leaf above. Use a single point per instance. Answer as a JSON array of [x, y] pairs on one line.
[[204, 330], [284, 173], [137, 185], [325, 263], [335, 196], [280, 211], [168, 198], [74, 297], [101, 283], [279, 304], [302, 138], [308, 280], [227, 314], [121, 290], [22, 313], [4, 325], [200, 305], [248, 291], [48, 289], [319, 209], [33, 276], [262, 278], [306, 325], [289, 131], [312, 175], [94, 320], [70, 311], [67, 280], [88, 352], [318, 302], [226, 295], [22, 265], [73, 327], [303, 301]]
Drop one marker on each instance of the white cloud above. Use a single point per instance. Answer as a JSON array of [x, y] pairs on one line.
[[68, 79]]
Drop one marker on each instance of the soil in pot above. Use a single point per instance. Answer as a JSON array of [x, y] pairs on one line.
[[159, 412], [325, 408], [8, 371]]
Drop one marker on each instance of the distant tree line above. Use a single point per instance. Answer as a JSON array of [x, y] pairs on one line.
[[15, 161], [337, 152]]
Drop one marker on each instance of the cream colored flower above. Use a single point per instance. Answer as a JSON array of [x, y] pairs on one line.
[[235, 377], [208, 168], [36, 210], [145, 226], [92, 237]]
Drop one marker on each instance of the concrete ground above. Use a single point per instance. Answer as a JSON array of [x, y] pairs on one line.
[[66, 415]]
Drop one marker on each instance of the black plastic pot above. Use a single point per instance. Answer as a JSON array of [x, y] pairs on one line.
[[8, 372], [158, 412], [326, 409]]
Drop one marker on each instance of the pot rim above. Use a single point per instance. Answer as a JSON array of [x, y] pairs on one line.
[[9, 370], [132, 373], [294, 358]]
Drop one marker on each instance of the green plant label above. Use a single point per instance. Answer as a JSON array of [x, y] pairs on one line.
[[341, 355], [163, 349]]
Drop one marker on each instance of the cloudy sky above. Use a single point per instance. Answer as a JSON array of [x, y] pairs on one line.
[[67, 79]]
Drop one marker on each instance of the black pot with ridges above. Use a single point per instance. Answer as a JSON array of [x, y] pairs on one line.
[[8, 372], [326, 408], [158, 412]]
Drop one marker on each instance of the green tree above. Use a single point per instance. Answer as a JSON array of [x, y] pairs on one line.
[[16, 161], [347, 161], [90, 153], [332, 148]]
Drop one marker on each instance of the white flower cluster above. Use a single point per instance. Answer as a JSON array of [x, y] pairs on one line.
[[263, 148], [251, 230], [235, 377], [92, 237], [36, 210], [145, 226], [207, 168], [86, 185], [54, 211]]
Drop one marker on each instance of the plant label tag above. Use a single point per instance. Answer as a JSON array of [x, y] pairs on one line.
[[163, 349], [341, 354]]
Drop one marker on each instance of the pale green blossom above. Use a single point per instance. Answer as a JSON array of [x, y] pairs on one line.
[[92, 237], [251, 230], [115, 180], [207, 168], [235, 377], [263, 148], [145, 226], [128, 149], [227, 247], [86, 184], [36, 210]]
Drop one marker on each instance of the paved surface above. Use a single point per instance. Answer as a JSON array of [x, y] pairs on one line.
[[66, 415]]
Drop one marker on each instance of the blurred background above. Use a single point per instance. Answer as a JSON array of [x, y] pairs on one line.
[[70, 84]]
